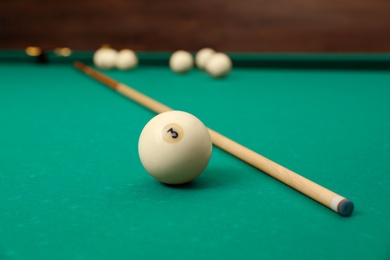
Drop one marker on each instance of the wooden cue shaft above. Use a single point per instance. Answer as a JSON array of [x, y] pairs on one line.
[[311, 189]]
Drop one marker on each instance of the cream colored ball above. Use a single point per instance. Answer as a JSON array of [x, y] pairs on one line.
[[175, 147], [105, 58], [126, 60], [202, 56], [181, 61], [219, 65]]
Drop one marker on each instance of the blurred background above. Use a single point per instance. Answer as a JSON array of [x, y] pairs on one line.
[[226, 25]]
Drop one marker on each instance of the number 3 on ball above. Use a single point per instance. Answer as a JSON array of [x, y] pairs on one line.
[[173, 133]]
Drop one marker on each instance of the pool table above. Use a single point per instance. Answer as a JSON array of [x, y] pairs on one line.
[[72, 185]]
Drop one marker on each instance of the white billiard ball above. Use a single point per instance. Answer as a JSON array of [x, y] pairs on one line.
[[181, 61], [126, 60], [174, 147], [105, 58], [202, 56], [219, 65]]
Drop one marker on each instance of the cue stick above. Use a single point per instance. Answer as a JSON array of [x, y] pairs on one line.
[[311, 189]]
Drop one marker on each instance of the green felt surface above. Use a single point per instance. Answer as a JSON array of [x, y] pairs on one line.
[[72, 185]]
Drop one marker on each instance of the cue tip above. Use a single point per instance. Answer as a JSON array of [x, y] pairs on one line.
[[80, 65], [95, 74], [345, 208]]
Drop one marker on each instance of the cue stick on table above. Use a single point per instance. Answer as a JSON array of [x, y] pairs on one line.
[[311, 189]]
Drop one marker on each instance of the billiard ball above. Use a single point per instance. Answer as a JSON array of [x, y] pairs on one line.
[[202, 56], [174, 147], [126, 60], [105, 58], [218, 65], [181, 61]]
